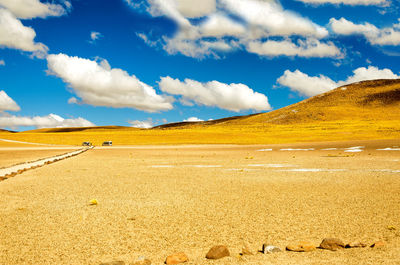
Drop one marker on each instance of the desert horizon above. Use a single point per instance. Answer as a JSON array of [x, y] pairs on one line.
[[212, 132]]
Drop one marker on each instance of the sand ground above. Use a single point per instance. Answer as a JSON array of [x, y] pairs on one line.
[[157, 200], [11, 156]]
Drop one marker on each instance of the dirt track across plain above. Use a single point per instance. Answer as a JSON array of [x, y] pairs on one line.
[[157, 201]]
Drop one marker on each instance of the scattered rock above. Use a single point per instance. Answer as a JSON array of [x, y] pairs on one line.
[[268, 249], [302, 246], [218, 252], [378, 244], [332, 244], [356, 244], [177, 258], [116, 262], [141, 261], [246, 250]]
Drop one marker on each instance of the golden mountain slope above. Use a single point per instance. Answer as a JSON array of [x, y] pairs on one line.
[[361, 111], [81, 129], [376, 100]]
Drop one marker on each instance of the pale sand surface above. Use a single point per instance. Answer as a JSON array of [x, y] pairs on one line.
[[14, 155], [181, 206], [13, 143]]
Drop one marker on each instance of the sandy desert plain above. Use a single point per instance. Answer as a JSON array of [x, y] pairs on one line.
[[157, 200], [154, 201]]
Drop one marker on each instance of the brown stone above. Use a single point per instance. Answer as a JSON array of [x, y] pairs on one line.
[[218, 252], [356, 244], [177, 258], [378, 244], [116, 262], [302, 246], [332, 244]]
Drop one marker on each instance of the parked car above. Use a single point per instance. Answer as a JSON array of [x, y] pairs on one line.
[[86, 144], [107, 143]]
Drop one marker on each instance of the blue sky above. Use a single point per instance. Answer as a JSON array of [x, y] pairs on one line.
[[142, 63]]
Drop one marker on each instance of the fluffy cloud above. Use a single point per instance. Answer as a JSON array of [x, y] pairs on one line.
[[73, 100], [196, 48], [193, 119], [306, 85], [231, 25], [218, 25], [271, 17], [376, 36], [234, 97], [188, 9], [49, 121], [94, 35], [313, 85], [308, 48], [14, 35], [348, 2], [7, 103], [96, 83], [26, 9], [142, 124]]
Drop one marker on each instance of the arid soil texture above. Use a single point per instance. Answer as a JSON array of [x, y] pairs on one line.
[[157, 200], [13, 156]]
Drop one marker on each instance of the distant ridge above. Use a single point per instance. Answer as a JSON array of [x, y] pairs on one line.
[[6, 131], [366, 100], [211, 122], [368, 110], [79, 129]]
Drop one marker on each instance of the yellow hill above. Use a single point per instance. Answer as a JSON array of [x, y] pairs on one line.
[[377, 100], [5, 131], [81, 129], [361, 111]]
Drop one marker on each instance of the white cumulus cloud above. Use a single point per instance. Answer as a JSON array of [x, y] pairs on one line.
[[348, 2], [233, 97], [193, 119], [142, 124], [219, 25], [310, 86], [232, 24], [97, 84], [27, 9], [308, 48], [7, 103], [271, 17], [49, 121], [14, 35], [376, 36], [306, 85], [193, 9], [94, 35], [73, 100]]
